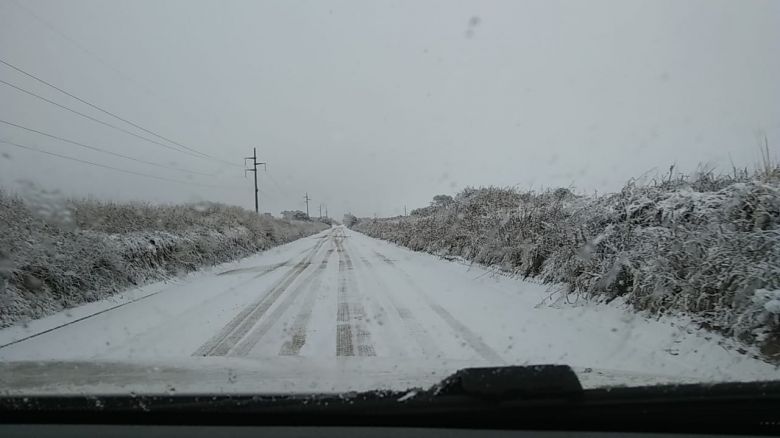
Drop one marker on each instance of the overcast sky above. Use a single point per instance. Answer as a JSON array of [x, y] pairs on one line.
[[369, 106]]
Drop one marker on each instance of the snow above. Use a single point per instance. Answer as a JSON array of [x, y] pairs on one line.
[[408, 396], [57, 254], [770, 299], [411, 319], [703, 247]]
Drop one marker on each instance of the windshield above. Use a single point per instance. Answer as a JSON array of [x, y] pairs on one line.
[[331, 196]]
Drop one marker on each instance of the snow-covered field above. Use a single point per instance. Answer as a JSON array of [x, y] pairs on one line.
[[341, 311]]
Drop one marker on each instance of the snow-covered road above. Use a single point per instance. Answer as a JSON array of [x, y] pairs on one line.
[[342, 311]]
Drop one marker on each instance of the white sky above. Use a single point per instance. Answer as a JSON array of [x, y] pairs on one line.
[[371, 105]]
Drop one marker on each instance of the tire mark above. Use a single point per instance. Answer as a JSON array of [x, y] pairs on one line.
[[384, 258], [240, 325], [265, 269], [410, 322], [469, 336], [262, 270], [254, 336], [364, 345], [77, 320], [344, 340], [245, 320], [474, 341], [188, 313], [350, 329], [379, 312], [344, 344], [342, 313], [293, 346]]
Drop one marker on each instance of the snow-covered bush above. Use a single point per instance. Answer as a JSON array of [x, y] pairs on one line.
[[349, 220], [707, 246], [59, 254]]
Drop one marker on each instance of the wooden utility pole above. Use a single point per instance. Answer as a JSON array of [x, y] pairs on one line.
[[254, 165], [307, 198]]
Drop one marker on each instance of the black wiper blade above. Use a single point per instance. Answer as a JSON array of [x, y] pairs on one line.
[[510, 382]]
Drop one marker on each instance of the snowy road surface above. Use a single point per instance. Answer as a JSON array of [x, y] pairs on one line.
[[342, 311]]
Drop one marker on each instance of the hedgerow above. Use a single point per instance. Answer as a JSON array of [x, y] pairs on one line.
[[707, 246], [56, 254]]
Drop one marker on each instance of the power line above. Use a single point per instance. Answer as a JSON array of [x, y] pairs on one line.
[[103, 151], [76, 44], [59, 32], [105, 166], [20, 70], [119, 128], [282, 191]]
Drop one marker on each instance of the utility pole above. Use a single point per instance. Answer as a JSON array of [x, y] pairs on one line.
[[326, 210], [404, 210], [307, 198], [254, 165], [320, 210]]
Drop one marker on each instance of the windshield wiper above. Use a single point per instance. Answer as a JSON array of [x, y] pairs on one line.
[[510, 382]]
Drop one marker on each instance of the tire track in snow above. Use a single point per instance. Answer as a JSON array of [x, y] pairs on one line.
[[379, 312], [462, 330], [377, 307], [241, 324], [254, 336], [352, 336], [265, 269], [261, 270], [293, 346], [412, 325]]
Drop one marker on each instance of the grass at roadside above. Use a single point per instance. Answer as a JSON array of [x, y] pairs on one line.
[[707, 246], [56, 254]]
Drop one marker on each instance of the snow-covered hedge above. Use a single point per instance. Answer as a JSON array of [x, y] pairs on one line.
[[707, 246], [57, 254]]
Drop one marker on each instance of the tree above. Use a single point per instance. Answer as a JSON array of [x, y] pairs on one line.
[[295, 215], [441, 201], [350, 220], [422, 211]]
